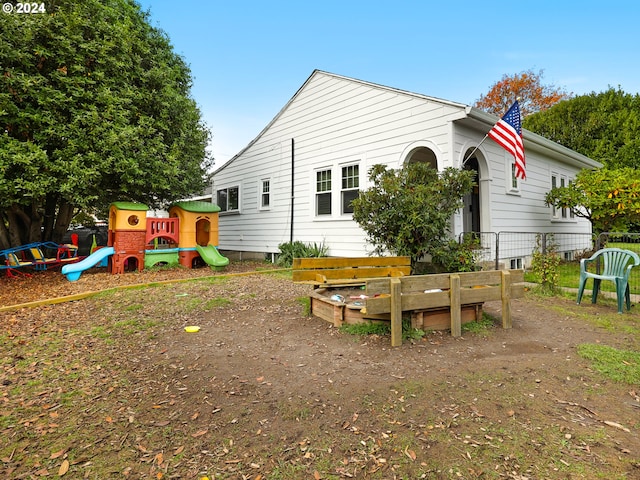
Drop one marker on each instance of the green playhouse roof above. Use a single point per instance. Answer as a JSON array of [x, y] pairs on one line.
[[130, 206], [196, 206]]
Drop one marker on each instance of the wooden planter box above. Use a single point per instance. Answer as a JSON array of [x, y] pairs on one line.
[[350, 312]]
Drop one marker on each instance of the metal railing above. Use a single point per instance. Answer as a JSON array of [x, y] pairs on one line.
[[508, 250], [498, 250]]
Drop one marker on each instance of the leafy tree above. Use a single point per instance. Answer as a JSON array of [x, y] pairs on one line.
[[94, 107], [609, 199], [408, 211], [603, 126], [527, 87]]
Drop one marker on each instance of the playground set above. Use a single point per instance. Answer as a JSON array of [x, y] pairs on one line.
[[188, 237], [38, 256]]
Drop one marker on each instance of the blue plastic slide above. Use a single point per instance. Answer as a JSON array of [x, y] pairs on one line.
[[73, 270]]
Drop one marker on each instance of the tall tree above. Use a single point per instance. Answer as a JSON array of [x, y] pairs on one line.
[[408, 211], [603, 126], [608, 198], [527, 87], [94, 107]]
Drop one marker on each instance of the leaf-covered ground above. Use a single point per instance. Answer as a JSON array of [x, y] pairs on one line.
[[113, 387]]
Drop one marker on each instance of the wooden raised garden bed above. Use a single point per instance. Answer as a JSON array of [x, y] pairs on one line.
[[442, 301]]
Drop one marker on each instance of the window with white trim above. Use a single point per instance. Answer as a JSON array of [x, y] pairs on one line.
[[323, 192], [228, 199], [265, 194], [350, 187], [513, 185], [563, 211], [559, 180]]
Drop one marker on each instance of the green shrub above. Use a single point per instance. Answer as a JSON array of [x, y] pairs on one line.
[[298, 249], [545, 264], [456, 257]]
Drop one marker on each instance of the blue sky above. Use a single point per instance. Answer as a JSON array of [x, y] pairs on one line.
[[249, 57]]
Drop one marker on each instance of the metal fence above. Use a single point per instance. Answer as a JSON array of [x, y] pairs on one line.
[[507, 250], [515, 249]]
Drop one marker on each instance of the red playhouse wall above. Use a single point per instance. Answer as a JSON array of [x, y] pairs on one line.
[[127, 244], [186, 257], [168, 228]]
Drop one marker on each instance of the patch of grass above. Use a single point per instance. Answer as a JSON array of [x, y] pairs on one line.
[[610, 320], [569, 277], [216, 302], [382, 328], [480, 327], [618, 365], [286, 470], [364, 329], [133, 308], [286, 274], [100, 331], [306, 305], [189, 304], [134, 325], [215, 280]]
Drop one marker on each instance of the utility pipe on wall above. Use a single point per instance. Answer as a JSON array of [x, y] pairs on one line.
[[293, 155]]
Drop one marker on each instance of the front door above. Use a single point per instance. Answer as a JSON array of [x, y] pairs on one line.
[[471, 212]]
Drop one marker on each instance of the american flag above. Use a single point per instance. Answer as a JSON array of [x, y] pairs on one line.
[[508, 134]]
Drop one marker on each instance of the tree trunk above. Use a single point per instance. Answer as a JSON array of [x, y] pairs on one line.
[[16, 220], [49, 217], [35, 224], [63, 219], [4, 233]]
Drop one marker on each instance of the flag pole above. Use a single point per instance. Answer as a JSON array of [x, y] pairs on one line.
[[518, 98], [464, 160]]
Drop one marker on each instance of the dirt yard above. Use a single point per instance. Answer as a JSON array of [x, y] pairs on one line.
[[113, 387]]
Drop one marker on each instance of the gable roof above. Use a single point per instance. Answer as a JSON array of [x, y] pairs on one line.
[[470, 116]]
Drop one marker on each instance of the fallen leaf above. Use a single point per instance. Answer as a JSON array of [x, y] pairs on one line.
[[57, 454], [617, 425], [410, 453], [179, 450], [316, 475], [199, 433], [64, 468], [159, 458], [194, 416]]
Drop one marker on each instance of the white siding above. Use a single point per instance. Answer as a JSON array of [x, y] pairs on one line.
[[335, 121]]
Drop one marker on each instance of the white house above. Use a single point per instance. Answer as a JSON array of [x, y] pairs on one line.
[[295, 180]]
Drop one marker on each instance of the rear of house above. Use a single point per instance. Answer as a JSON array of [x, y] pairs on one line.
[[296, 179]]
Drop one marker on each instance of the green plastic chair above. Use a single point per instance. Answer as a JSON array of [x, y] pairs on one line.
[[617, 267]]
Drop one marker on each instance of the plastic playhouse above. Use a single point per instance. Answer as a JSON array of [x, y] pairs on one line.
[[189, 237]]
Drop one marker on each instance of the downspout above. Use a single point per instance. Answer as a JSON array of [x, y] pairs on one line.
[[293, 156]]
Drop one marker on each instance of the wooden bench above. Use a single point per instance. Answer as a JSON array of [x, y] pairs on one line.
[[453, 290], [334, 271]]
